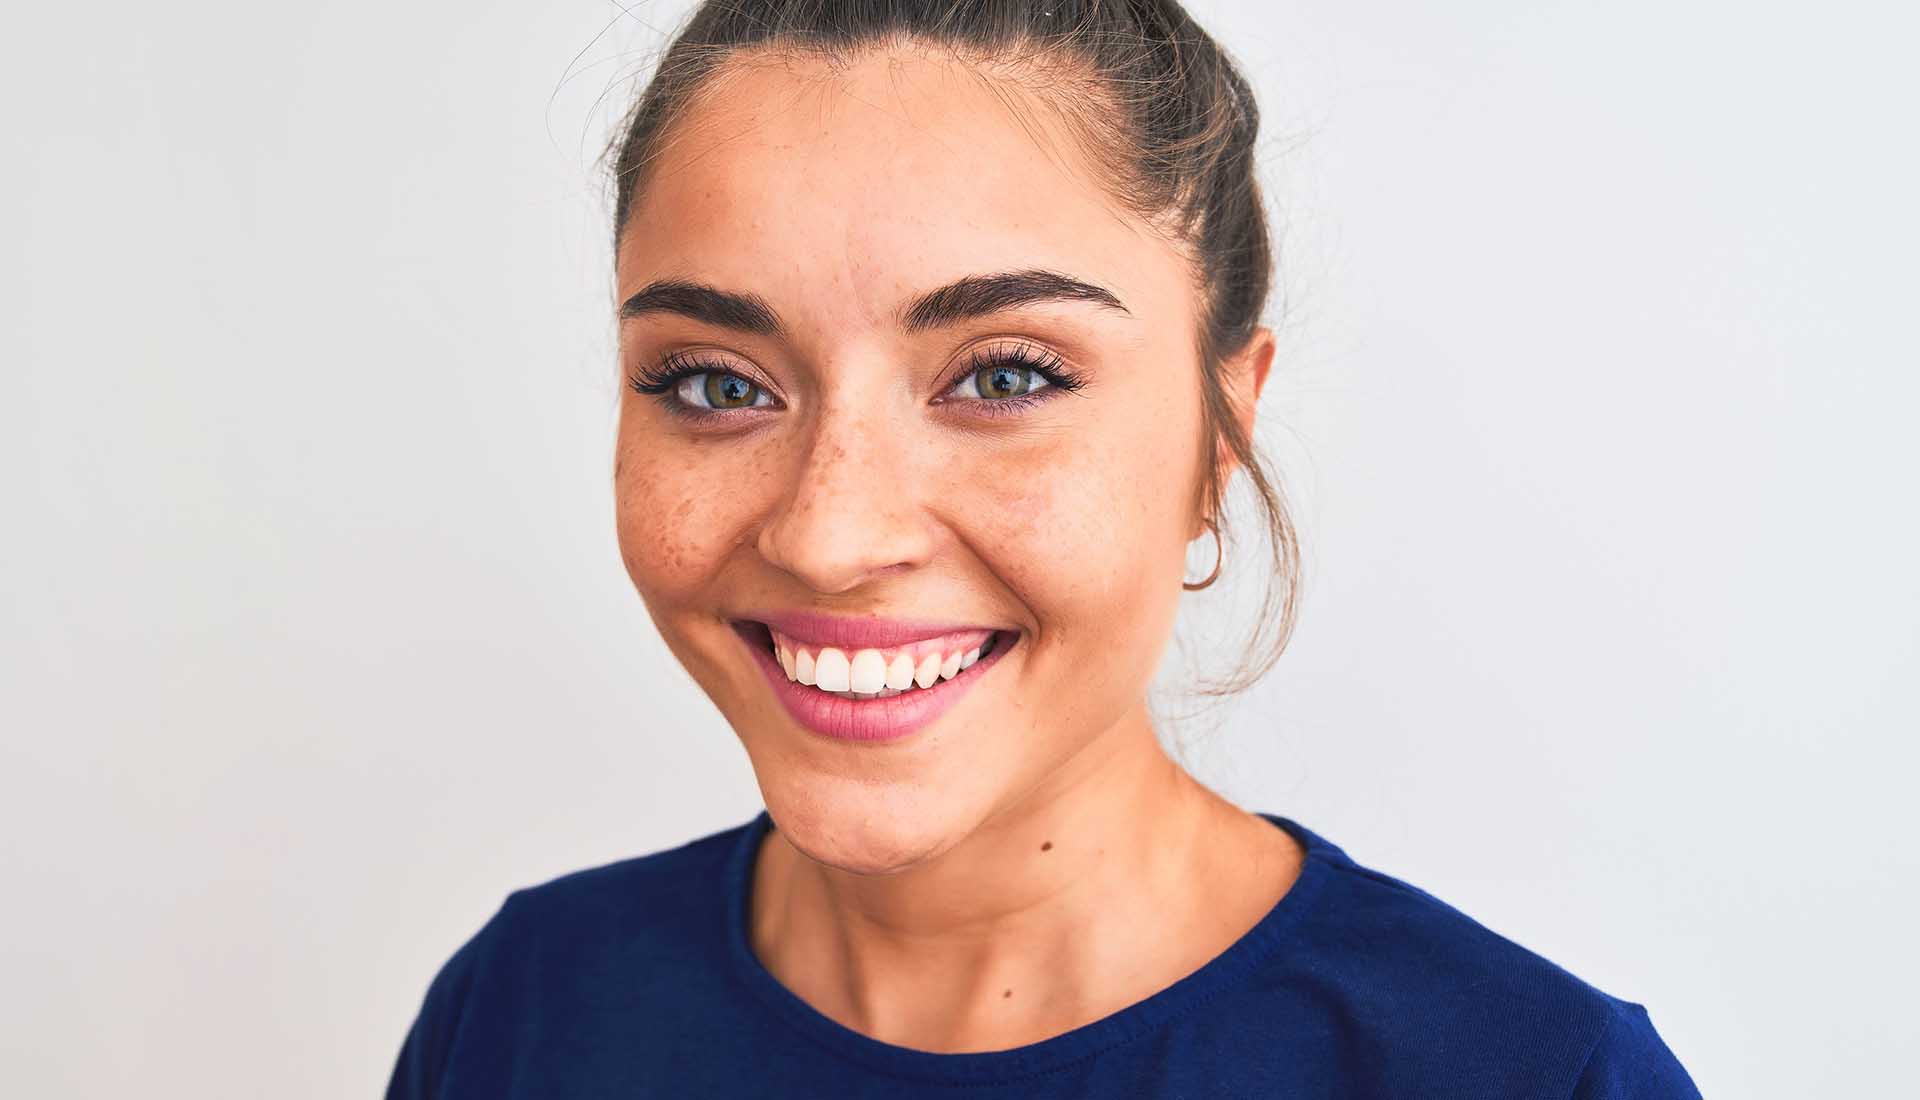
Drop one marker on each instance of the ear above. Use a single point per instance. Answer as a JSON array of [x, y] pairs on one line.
[[1247, 375], [1244, 375]]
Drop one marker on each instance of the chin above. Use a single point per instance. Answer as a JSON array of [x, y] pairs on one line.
[[862, 828]]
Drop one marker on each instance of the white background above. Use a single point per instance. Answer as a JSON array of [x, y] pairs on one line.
[[1597, 404]]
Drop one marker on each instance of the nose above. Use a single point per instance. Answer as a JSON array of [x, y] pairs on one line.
[[854, 507]]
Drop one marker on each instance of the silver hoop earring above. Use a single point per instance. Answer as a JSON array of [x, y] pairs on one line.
[[1219, 553]]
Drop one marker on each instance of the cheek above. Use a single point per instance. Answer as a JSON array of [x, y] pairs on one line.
[[1090, 535], [681, 507]]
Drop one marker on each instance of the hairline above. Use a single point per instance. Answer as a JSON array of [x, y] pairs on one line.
[[1028, 70]]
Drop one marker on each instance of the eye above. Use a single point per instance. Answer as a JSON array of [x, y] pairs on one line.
[[1000, 380], [1013, 376], [712, 389], [696, 387]]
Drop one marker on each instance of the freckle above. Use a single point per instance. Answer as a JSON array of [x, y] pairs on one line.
[[1046, 846], [1008, 993]]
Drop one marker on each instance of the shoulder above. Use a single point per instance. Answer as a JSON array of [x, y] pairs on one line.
[[1395, 932], [661, 914], [1420, 977], [572, 940], [1630, 1061], [649, 892]]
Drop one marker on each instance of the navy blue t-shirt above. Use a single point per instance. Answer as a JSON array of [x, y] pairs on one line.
[[637, 980]]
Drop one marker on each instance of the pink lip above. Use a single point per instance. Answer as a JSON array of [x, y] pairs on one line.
[[869, 720], [855, 633]]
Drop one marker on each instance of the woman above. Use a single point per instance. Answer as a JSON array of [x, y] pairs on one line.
[[941, 329]]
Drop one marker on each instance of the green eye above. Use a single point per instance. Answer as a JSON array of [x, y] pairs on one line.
[[718, 390], [729, 391], [1006, 380]]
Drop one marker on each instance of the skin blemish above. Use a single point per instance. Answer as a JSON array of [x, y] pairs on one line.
[[1046, 845], [1008, 993]]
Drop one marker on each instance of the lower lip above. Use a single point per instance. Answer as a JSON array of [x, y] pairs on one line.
[[872, 720]]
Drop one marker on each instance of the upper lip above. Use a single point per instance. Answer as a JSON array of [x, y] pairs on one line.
[[856, 632]]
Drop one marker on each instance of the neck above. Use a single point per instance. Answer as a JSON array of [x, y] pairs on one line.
[[1115, 877]]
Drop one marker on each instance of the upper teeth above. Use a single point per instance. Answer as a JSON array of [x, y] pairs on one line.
[[877, 673]]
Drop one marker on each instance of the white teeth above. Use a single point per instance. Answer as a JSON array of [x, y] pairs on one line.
[[869, 673], [900, 673], [831, 671], [929, 670]]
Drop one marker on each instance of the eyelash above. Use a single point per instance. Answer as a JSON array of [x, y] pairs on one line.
[[662, 380]]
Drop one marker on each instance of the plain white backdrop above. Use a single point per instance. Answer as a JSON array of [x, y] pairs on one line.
[[1596, 403]]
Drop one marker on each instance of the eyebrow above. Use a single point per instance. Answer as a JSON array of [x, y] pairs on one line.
[[961, 300], [745, 312]]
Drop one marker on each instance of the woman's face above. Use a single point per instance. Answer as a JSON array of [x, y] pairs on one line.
[[867, 446]]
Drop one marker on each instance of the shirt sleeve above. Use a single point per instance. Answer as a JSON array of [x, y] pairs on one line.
[[1630, 1062]]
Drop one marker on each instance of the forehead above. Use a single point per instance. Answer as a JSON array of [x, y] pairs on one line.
[[844, 189]]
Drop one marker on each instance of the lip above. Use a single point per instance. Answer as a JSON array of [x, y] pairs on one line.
[[867, 720], [857, 632]]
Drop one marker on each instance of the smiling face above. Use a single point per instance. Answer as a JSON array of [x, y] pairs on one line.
[[851, 415]]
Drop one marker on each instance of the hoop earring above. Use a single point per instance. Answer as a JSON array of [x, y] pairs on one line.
[[1219, 553]]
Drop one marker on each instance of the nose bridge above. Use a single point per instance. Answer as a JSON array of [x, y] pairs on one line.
[[853, 505]]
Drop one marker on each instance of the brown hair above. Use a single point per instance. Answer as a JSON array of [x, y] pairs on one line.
[[1158, 103]]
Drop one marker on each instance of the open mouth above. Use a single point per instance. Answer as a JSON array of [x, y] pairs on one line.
[[876, 673]]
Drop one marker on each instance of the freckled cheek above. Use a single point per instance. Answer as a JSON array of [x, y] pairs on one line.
[[681, 513]]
